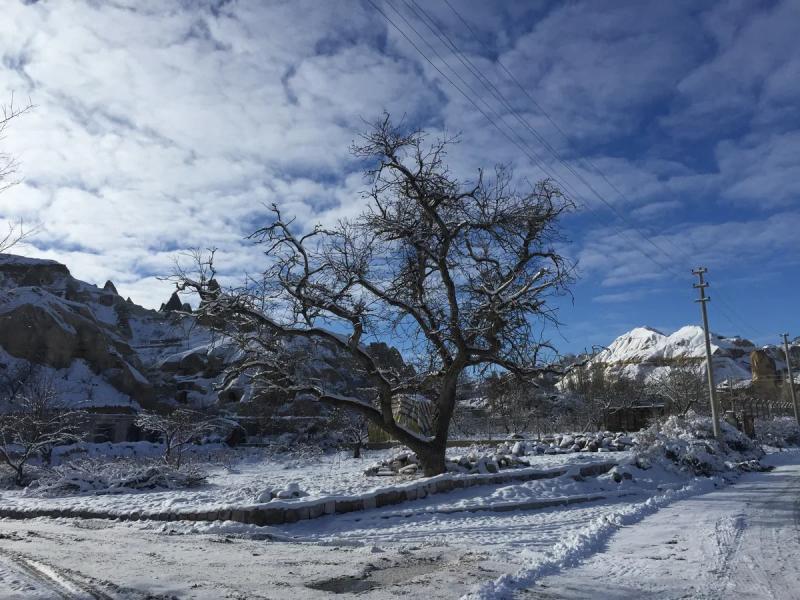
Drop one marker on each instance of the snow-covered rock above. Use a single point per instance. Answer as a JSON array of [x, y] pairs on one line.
[[106, 352], [644, 352]]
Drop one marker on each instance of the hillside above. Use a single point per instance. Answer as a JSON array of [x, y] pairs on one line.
[[106, 353], [100, 349], [644, 352]]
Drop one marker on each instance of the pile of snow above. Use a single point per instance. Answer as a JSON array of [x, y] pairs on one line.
[[97, 477], [288, 492], [778, 433], [688, 443]]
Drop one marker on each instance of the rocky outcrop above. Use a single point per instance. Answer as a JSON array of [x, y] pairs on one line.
[[763, 367], [26, 272], [173, 304], [82, 334], [766, 379], [41, 328], [92, 340], [645, 352]]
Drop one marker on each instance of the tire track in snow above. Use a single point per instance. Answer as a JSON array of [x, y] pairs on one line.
[[583, 544], [728, 538], [66, 586]]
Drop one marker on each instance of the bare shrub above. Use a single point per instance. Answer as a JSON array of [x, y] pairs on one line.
[[34, 419]]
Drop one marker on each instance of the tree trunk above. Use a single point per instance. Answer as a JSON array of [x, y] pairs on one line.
[[357, 450], [431, 459], [19, 478]]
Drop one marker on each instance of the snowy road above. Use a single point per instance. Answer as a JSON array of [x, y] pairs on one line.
[[742, 541]]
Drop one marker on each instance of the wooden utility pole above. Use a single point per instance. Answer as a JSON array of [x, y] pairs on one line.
[[791, 378], [712, 390]]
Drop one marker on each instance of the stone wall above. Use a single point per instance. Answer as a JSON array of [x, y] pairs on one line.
[[278, 513]]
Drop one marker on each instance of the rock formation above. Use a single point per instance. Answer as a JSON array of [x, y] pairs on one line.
[[173, 304]]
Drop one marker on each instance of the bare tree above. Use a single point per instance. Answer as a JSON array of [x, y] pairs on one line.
[[512, 403], [353, 427], [180, 428], [15, 231], [460, 273], [683, 386], [34, 419], [601, 394]]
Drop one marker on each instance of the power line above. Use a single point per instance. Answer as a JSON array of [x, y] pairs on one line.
[[520, 143], [439, 32], [663, 266], [726, 308], [521, 147]]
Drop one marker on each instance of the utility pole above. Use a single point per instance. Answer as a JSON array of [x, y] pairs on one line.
[[712, 391], [791, 378]]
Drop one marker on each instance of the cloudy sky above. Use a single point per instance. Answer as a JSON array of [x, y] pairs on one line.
[[162, 125]]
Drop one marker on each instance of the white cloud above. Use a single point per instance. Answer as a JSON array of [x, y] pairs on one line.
[[164, 125], [619, 257]]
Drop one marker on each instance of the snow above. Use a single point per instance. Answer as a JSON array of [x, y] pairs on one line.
[[578, 545], [644, 352], [13, 299], [739, 541], [630, 544], [241, 478], [77, 385]]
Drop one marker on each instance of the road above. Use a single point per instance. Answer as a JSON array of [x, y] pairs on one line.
[[742, 541]]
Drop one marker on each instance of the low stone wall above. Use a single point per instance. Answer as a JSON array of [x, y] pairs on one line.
[[280, 512]]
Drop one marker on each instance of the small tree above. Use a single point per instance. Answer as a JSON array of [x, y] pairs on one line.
[[683, 386], [353, 428], [180, 428], [15, 231], [459, 272], [602, 394], [34, 419], [513, 403]]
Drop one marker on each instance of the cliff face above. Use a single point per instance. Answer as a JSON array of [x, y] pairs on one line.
[[101, 350], [105, 352]]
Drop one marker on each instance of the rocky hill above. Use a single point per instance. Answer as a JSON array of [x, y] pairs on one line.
[[99, 348], [106, 353], [644, 352]]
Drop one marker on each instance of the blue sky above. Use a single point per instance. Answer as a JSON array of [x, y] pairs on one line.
[[162, 126]]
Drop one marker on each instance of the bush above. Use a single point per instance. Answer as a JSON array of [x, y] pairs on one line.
[[115, 477], [779, 432], [688, 442]]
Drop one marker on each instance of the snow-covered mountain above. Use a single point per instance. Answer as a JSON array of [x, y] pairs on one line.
[[101, 350], [107, 353], [644, 351]]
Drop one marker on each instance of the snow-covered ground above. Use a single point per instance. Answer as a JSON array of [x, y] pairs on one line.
[[240, 478], [741, 541], [515, 539], [696, 541]]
